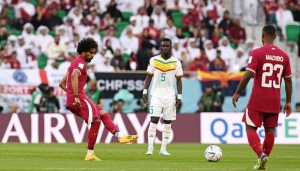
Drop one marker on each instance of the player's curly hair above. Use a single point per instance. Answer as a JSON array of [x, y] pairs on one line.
[[86, 45]]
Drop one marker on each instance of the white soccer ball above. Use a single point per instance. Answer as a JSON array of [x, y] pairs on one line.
[[213, 153]]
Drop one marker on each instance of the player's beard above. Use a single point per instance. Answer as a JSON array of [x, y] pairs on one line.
[[88, 60]]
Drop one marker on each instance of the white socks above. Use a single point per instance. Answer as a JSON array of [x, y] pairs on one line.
[[151, 134], [165, 136], [89, 152], [119, 134]]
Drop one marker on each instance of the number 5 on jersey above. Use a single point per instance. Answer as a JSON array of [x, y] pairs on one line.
[[268, 69], [163, 77]]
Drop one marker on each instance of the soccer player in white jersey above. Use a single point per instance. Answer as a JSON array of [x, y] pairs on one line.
[[164, 69]]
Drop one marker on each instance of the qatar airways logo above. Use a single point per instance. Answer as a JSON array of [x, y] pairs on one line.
[[274, 58]]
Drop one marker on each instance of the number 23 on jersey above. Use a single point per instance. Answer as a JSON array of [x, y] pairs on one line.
[[268, 71]]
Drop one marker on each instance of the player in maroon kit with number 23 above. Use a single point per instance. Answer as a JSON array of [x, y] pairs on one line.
[[269, 65], [79, 103]]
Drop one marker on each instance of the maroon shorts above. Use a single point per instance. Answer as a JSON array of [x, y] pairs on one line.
[[256, 119], [88, 110]]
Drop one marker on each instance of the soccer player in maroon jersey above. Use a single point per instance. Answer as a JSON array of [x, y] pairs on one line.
[[269, 65], [80, 105]]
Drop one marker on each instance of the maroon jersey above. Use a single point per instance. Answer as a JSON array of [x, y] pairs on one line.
[[270, 64], [78, 64]]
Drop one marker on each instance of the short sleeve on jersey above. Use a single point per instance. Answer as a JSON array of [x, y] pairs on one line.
[[252, 62], [150, 68], [179, 71], [287, 72], [79, 67]]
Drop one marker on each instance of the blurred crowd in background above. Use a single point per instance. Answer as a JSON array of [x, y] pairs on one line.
[[43, 34]]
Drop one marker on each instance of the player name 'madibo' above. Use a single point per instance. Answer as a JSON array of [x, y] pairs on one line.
[[274, 58]]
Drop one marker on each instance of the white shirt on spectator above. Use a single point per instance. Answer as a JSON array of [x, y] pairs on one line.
[[160, 20], [227, 52], [43, 40]]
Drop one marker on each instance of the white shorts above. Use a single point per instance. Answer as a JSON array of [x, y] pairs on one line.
[[166, 107]]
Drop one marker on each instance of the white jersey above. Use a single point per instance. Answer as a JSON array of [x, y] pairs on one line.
[[164, 73]]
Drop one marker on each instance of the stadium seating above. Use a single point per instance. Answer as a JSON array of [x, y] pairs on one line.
[[61, 13], [126, 15], [292, 32], [177, 18], [42, 61]]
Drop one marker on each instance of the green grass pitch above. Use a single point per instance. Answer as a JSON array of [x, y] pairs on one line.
[[185, 157]]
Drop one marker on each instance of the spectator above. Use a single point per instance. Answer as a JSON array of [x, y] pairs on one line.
[[226, 23], [117, 61], [284, 16], [270, 10], [177, 50], [57, 51], [106, 22], [49, 102], [218, 64], [152, 31], [43, 38], [210, 101], [12, 43], [36, 97], [159, 17], [54, 20], [4, 63], [63, 67], [239, 61], [76, 14], [14, 62], [29, 61], [190, 20], [14, 108], [114, 12], [227, 52], [142, 19], [28, 35], [237, 34], [209, 50], [129, 39], [95, 35], [93, 17], [192, 49], [116, 106], [94, 93], [39, 18], [127, 97], [298, 107], [197, 65]]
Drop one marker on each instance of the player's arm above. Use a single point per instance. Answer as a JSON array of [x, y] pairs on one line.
[[150, 71], [243, 83], [146, 86], [74, 79], [288, 91], [63, 83], [179, 91]]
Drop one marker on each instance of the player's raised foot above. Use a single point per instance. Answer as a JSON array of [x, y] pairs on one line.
[[127, 139], [261, 162], [92, 157], [149, 151], [164, 153]]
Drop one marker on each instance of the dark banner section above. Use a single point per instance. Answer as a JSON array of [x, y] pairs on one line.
[[110, 83], [62, 128]]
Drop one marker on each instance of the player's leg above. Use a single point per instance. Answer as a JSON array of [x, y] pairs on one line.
[[169, 115], [111, 127], [165, 138], [91, 116], [92, 137], [254, 119], [155, 112], [270, 122], [152, 134]]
